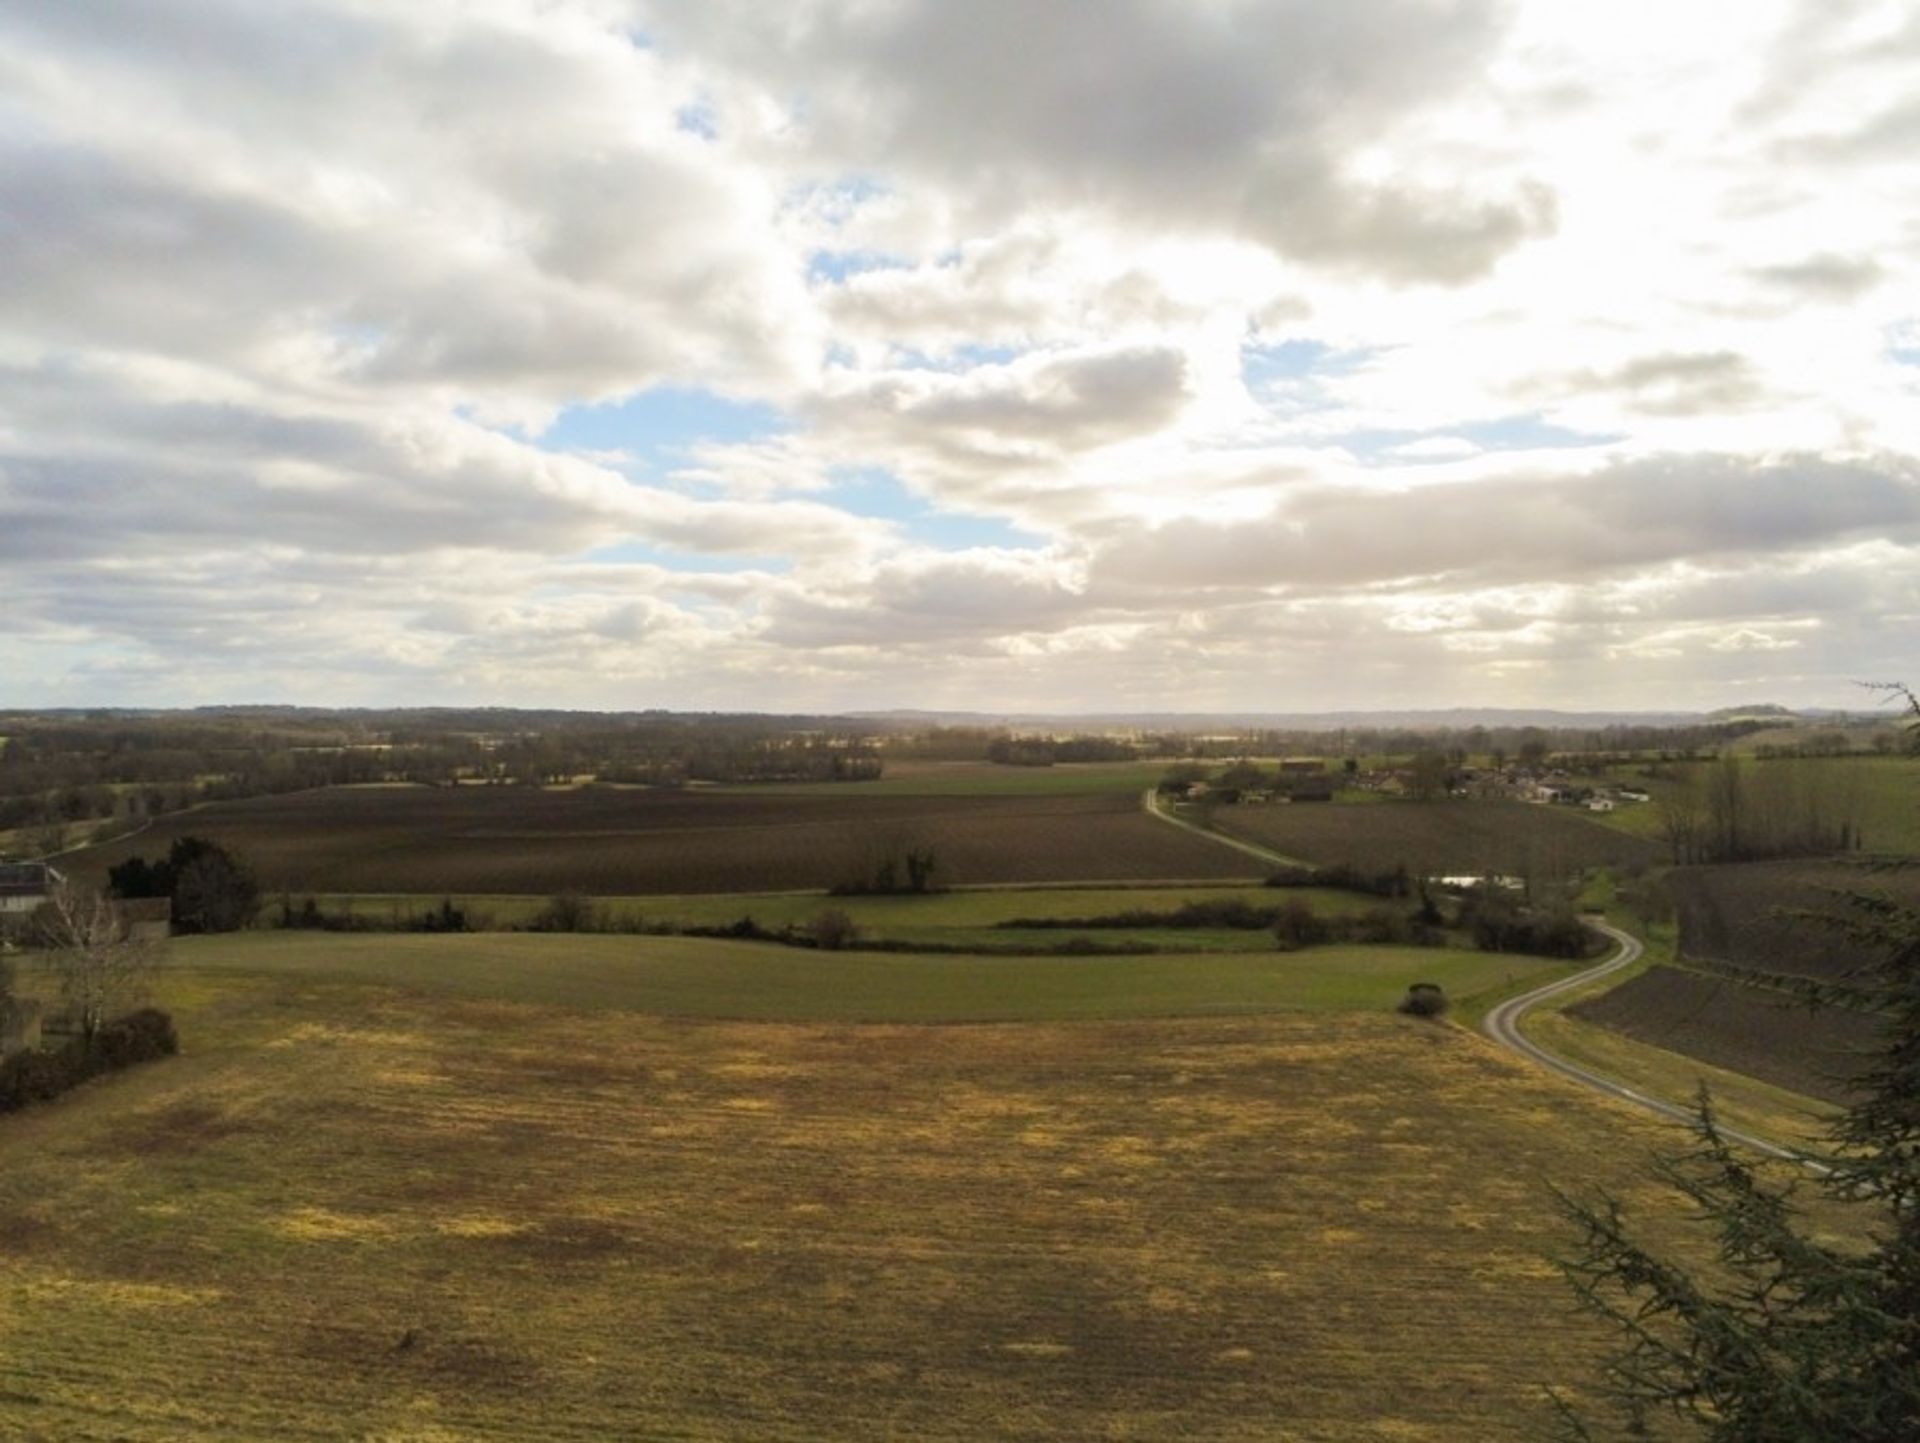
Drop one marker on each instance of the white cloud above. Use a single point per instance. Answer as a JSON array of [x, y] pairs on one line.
[[1586, 335]]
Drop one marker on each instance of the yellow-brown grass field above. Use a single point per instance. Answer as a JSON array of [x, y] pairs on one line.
[[351, 1211]]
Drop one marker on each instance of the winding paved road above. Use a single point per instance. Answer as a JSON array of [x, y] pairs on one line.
[[1503, 1026], [1503, 1022]]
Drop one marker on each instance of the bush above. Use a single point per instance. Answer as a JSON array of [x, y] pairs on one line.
[[212, 890], [1424, 999], [832, 930], [1498, 924], [1344, 877], [567, 912], [1297, 927], [139, 1037]]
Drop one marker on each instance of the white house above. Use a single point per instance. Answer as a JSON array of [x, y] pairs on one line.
[[25, 885]]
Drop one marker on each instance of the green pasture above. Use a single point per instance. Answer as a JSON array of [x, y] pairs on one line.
[[962, 918], [700, 977], [1883, 794]]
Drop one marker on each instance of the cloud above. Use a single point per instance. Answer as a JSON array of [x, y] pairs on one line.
[[1677, 384], [1631, 515], [484, 206], [1325, 354], [1226, 116], [1826, 276]]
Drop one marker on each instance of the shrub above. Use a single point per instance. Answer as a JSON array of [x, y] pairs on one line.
[[566, 912], [444, 918], [1344, 877], [832, 930], [212, 890], [1424, 999], [1296, 927], [138, 1037]]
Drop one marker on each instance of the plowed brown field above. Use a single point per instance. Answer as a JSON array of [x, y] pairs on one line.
[[616, 841], [1509, 838]]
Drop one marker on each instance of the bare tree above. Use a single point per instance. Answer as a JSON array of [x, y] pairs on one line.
[[1680, 819], [1900, 692], [101, 968]]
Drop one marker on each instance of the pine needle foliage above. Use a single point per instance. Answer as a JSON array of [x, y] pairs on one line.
[[1784, 1338]]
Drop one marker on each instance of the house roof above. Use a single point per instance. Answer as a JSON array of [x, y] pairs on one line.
[[26, 879]]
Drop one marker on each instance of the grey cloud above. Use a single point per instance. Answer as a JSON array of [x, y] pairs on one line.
[[1031, 411], [1632, 516], [1826, 276], [1690, 383], [931, 602], [1229, 115], [1401, 234], [412, 202], [97, 468], [1013, 290]]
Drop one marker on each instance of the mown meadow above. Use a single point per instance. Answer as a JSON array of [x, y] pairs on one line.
[[503, 1204]]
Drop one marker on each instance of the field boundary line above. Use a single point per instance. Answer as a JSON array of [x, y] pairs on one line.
[[1502, 1024], [1150, 799]]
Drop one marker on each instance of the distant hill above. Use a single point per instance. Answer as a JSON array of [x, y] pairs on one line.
[[1767, 712], [1455, 718]]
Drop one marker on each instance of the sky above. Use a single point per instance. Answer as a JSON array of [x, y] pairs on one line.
[[1090, 355]]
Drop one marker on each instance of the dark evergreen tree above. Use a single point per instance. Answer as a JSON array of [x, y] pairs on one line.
[[1789, 1338]]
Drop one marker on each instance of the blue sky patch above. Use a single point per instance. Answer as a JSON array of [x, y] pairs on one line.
[[1507, 433], [959, 358], [1300, 359], [836, 267], [879, 493], [658, 427], [697, 120]]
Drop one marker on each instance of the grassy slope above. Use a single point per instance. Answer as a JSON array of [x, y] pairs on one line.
[[701, 978], [354, 1213]]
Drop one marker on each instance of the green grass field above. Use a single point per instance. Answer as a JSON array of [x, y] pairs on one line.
[[969, 918], [1882, 793], [699, 977], [352, 1211]]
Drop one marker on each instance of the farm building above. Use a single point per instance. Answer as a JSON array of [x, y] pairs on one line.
[[25, 885], [146, 918]]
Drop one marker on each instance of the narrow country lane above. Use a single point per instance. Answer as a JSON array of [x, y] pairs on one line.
[[1502, 1024], [1150, 799]]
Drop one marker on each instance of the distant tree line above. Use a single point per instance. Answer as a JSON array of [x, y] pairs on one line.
[[59, 770], [1046, 751]]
